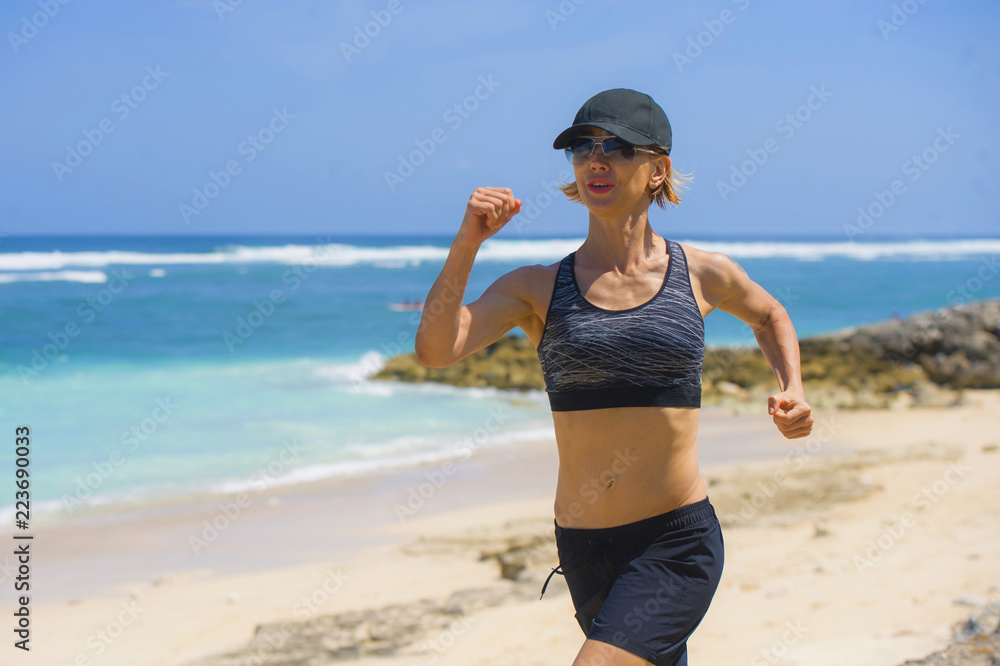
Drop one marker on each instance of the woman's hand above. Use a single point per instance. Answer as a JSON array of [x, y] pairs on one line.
[[489, 209], [792, 414]]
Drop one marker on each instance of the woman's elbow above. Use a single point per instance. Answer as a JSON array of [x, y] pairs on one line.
[[775, 315], [429, 357]]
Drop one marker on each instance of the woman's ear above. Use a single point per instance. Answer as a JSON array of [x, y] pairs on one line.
[[660, 172]]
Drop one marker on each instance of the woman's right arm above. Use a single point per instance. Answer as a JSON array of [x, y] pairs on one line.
[[450, 331]]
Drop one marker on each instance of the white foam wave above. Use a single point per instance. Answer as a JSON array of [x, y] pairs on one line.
[[394, 257], [352, 373], [526, 250], [301, 475], [357, 376], [92, 277], [383, 458], [923, 250], [39, 509], [406, 452], [326, 255]]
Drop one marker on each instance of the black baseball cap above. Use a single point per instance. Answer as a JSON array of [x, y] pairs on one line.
[[630, 115]]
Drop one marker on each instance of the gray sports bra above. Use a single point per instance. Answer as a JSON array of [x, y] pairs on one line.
[[649, 355]]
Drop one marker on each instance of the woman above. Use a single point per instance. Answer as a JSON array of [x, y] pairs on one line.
[[619, 333]]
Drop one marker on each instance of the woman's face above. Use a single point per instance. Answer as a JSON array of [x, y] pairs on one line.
[[616, 187]]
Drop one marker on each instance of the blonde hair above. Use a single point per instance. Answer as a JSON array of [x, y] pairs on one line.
[[666, 191]]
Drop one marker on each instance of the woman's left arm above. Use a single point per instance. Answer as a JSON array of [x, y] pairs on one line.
[[726, 286]]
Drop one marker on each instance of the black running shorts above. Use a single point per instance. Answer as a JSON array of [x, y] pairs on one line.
[[644, 586]]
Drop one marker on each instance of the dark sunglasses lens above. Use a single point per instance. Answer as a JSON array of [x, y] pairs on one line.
[[626, 150], [578, 150], [618, 149]]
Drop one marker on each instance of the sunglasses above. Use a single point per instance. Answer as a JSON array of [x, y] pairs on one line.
[[579, 150]]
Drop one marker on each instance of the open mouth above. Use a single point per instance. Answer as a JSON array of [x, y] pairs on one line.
[[599, 186]]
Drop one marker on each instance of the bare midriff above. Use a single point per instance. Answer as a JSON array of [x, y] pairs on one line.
[[623, 464]]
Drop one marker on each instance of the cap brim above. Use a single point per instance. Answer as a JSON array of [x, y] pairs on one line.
[[620, 131]]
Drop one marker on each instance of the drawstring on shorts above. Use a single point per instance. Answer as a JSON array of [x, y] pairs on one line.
[[555, 570], [583, 559]]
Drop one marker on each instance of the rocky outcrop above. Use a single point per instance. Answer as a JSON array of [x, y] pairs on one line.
[[957, 347], [393, 630], [420, 629], [924, 360], [509, 363], [975, 641]]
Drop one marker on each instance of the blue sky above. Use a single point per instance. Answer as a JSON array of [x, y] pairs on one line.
[[162, 95]]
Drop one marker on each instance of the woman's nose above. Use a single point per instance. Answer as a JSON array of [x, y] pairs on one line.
[[598, 159]]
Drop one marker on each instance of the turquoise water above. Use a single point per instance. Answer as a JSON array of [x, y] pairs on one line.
[[163, 367]]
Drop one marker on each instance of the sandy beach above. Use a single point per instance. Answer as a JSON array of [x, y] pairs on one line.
[[862, 544]]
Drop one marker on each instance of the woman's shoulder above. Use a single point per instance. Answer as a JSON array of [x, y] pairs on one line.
[[712, 269], [541, 278], [531, 281], [704, 261]]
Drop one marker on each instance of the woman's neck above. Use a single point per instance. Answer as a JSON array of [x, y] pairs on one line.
[[622, 244]]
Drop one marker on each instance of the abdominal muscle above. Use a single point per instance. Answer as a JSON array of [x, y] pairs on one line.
[[620, 465]]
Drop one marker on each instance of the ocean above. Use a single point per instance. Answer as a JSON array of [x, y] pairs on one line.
[[158, 368]]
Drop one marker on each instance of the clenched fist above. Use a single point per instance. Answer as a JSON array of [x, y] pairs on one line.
[[791, 413], [489, 209]]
